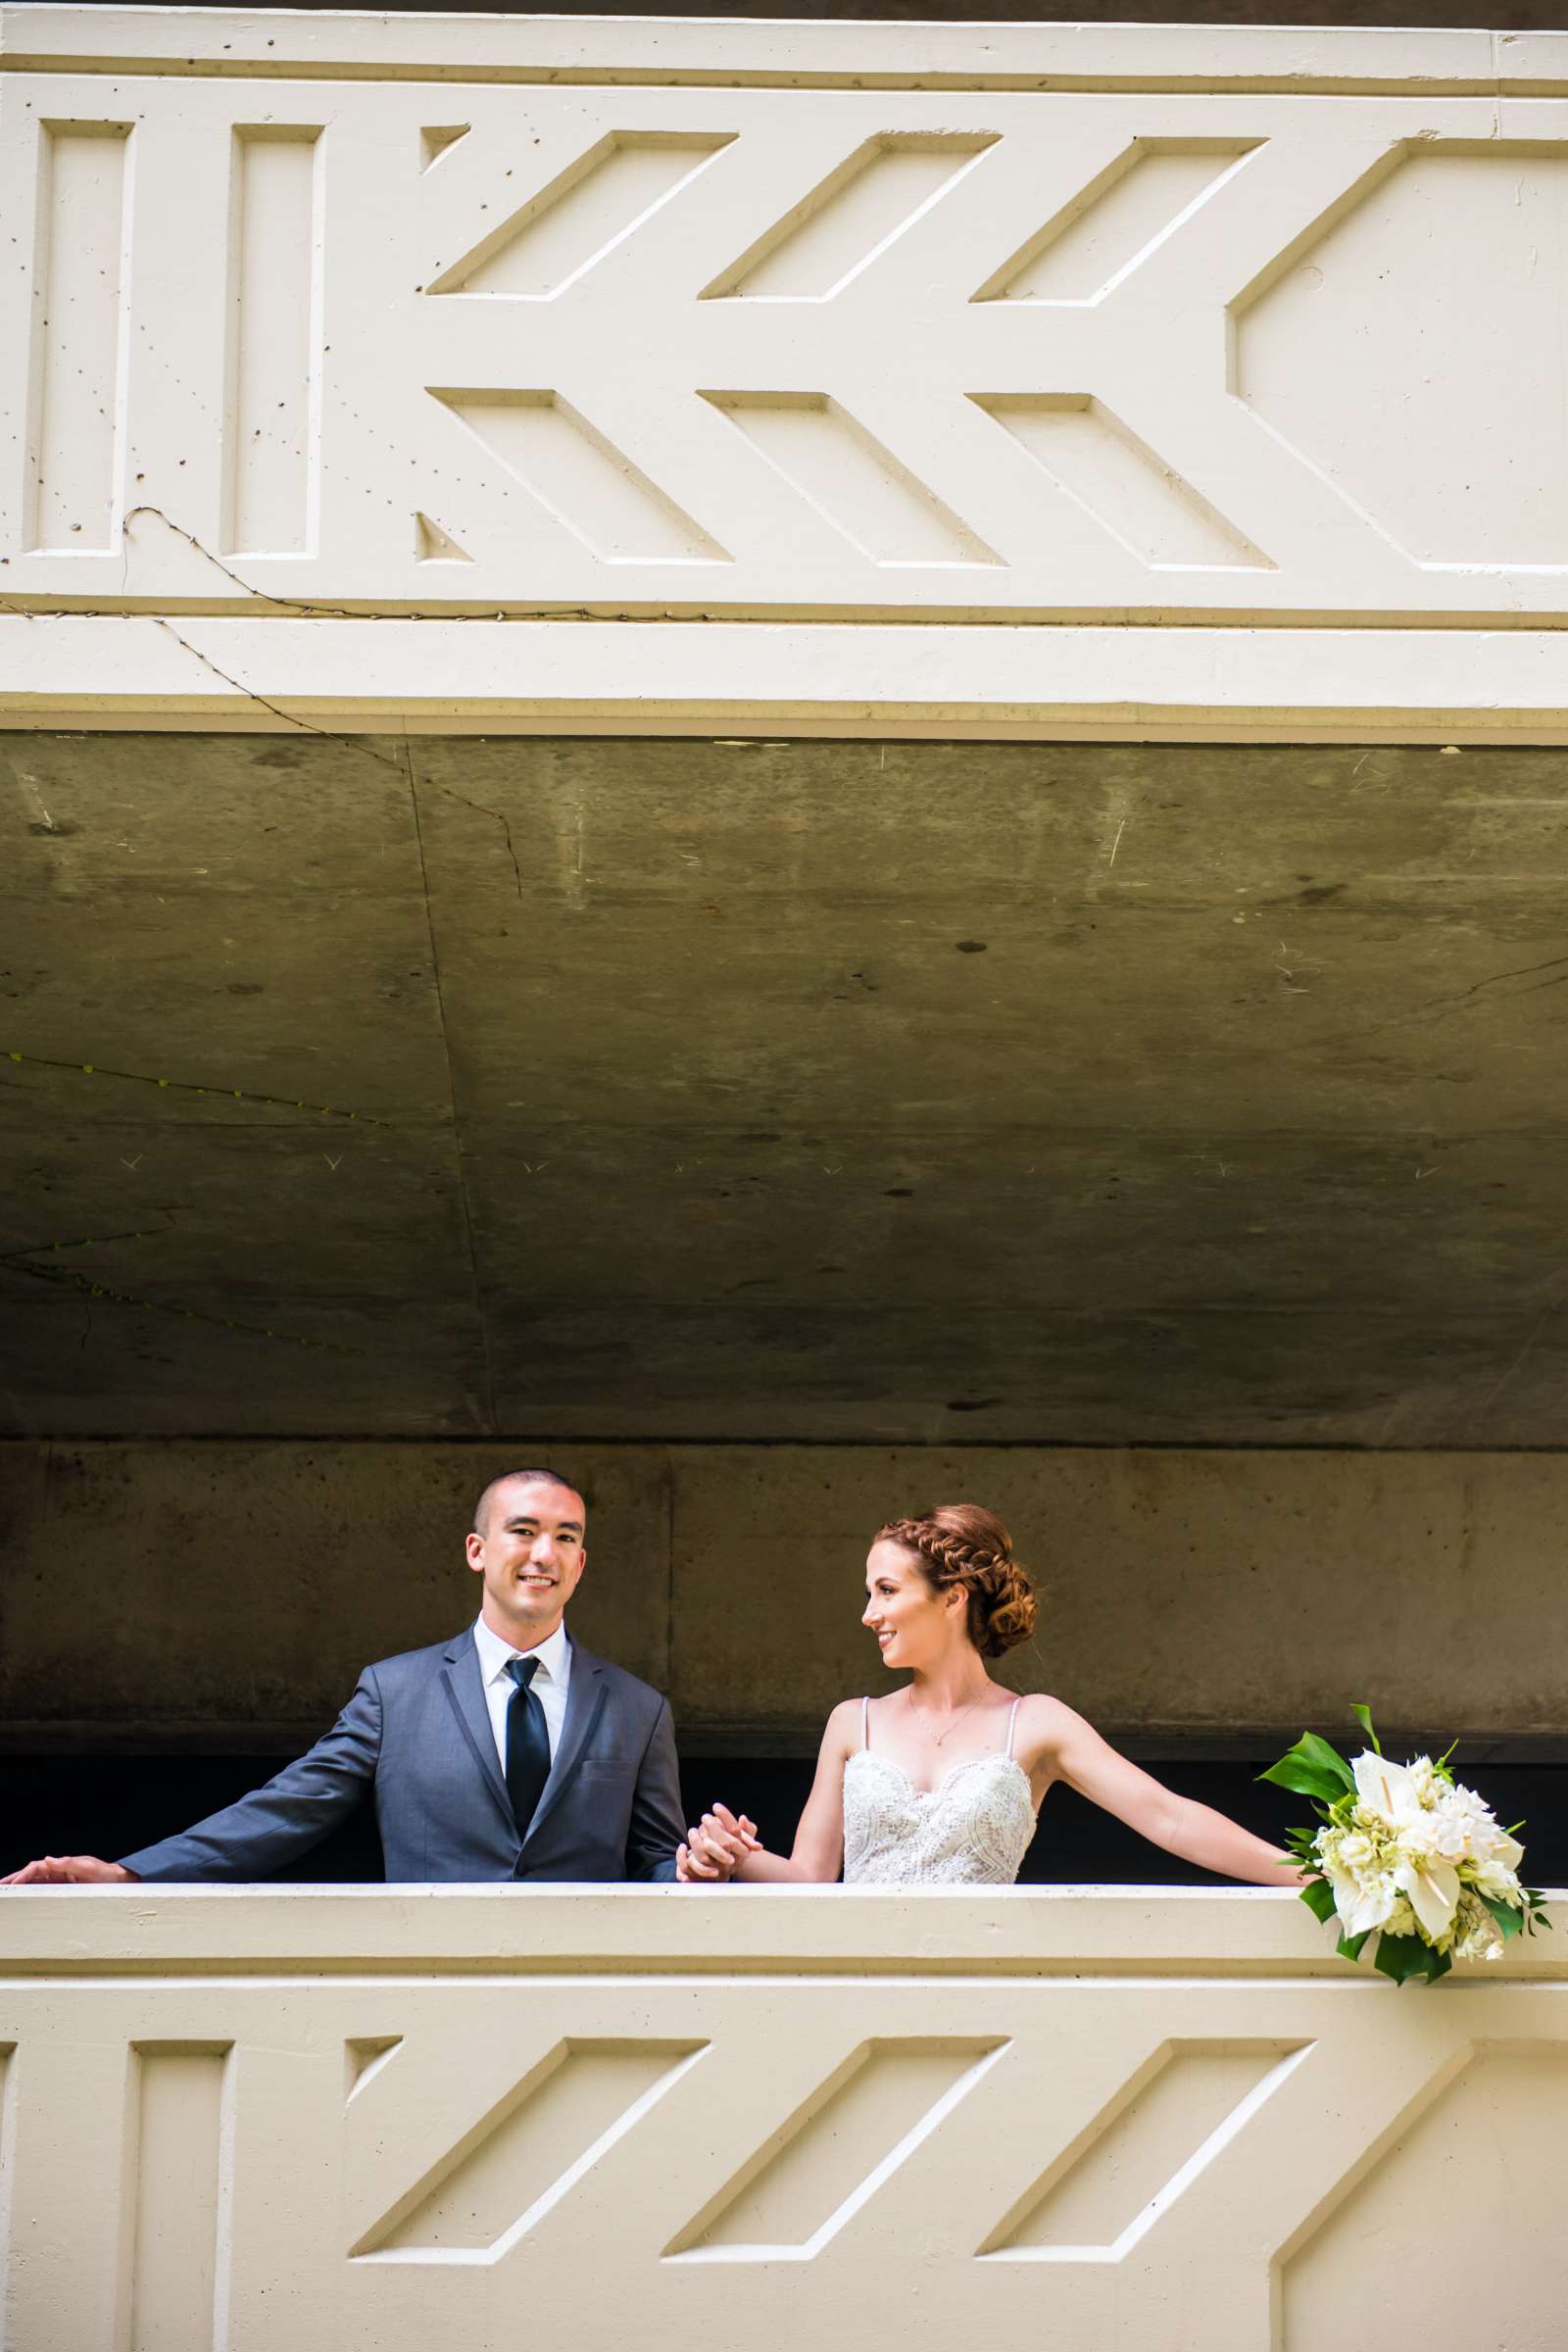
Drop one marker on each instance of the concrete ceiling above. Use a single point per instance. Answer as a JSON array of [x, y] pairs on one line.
[[815, 1091]]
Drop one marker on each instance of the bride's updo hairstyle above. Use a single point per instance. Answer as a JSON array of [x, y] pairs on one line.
[[963, 1545]]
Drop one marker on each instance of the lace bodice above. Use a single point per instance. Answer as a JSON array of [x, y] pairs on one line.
[[971, 1829]]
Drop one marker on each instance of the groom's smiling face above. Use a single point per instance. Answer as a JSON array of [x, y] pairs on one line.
[[529, 1552]]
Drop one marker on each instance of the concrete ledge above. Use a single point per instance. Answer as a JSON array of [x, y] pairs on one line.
[[528, 1930], [863, 679], [698, 51]]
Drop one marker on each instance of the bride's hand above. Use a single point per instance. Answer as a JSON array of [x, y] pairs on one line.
[[736, 1830], [715, 1849]]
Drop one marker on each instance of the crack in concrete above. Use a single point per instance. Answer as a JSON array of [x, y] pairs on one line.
[[15, 1262], [452, 1084], [479, 810], [186, 1086], [1436, 1005], [301, 726], [313, 609]]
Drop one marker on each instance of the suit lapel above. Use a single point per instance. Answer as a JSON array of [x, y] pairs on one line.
[[465, 1688], [585, 1699]]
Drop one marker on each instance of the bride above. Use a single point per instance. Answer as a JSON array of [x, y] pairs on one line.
[[939, 1783]]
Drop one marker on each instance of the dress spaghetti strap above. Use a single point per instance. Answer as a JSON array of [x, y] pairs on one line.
[[1011, 1724], [866, 1722]]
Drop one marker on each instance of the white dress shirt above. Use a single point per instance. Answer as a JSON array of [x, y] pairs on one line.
[[550, 1681]]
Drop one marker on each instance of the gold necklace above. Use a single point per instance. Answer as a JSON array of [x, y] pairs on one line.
[[938, 1738]]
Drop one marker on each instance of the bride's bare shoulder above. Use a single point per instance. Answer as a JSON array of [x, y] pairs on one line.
[[1046, 1723], [842, 1730]]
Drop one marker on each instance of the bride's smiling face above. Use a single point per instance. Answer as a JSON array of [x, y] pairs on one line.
[[912, 1622]]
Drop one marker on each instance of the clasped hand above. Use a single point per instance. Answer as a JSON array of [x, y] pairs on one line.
[[713, 1851]]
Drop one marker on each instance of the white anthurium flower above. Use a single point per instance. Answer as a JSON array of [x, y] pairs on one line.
[[1390, 1790], [1431, 1890], [1360, 1907]]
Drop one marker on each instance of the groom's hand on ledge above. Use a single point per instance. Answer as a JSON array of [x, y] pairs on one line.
[[71, 1870]]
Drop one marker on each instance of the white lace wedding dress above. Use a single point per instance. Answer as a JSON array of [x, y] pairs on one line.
[[971, 1829]]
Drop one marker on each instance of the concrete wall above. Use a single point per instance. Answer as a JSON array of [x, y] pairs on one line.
[[1099, 326], [309, 2122], [227, 1593]]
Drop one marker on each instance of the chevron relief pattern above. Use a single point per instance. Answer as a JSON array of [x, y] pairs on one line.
[[447, 2151], [587, 483], [806, 2179], [856, 484], [1164, 2127], [811, 2176], [1145, 507], [874, 197], [1117, 221], [521, 2158], [847, 221], [844, 230], [601, 198], [735, 347]]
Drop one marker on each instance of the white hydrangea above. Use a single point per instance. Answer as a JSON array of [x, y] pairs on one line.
[[1477, 1936]]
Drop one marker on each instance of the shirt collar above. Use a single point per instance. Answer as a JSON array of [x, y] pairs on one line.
[[495, 1655]]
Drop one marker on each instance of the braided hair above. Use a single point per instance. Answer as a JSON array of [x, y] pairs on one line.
[[962, 1543]]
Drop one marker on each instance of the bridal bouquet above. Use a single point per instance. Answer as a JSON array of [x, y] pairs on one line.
[[1405, 1854]]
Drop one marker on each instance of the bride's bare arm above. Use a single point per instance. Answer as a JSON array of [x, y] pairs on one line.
[[1068, 1749], [818, 1852]]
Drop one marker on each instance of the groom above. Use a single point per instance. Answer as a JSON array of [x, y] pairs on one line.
[[507, 1754]]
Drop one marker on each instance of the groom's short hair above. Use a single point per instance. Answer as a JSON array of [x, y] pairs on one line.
[[505, 1478]]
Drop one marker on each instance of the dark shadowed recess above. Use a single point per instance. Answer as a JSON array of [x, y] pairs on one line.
[[1504, 15], [83, 1804]]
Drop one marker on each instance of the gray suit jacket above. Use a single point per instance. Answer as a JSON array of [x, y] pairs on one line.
[[417, 1731]]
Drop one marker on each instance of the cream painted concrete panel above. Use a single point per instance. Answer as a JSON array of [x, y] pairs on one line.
[[272, 415], [72, 495], [177, 2190], [1241, 2133], [884, 682], [537, 319], [1182, 1594]]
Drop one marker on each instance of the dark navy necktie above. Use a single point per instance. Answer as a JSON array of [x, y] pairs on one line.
[[527, 1743]]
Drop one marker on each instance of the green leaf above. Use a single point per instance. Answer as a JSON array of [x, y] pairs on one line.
[[1330, 1759], [1311, 1768], [1318, 1896], [1363, 1716], [1350, 1946], [1304, 1780], [1403, 1957], [1509, 1921]]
